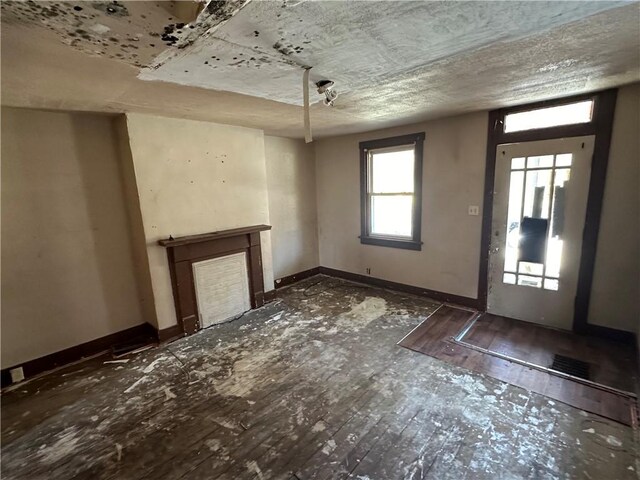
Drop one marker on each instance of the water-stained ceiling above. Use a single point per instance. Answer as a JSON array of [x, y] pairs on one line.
[[392, 62]]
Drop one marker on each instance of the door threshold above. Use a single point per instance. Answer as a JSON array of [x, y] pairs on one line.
[[459, 340]]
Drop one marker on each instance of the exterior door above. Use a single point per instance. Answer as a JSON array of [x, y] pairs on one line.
[[539, 207]]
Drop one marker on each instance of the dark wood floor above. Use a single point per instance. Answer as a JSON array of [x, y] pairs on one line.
[[435, 338], [310, 386], [610, 363]]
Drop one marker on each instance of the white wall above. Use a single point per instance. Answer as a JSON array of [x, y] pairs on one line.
[[615, 295], [196, 177], [453, 179], [67, 266], [292, 205]]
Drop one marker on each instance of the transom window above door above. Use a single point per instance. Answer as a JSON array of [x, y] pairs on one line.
[[547, 117], [391, 191]]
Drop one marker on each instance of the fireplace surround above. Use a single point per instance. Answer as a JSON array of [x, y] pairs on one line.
[[182, 252]]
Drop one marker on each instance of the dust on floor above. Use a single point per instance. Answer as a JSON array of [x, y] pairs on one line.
[[312, 385]]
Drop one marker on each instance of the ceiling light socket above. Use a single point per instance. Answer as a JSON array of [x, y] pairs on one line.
[[325, 87]]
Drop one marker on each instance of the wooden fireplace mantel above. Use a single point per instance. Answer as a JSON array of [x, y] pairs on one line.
[[205, 237], [183, 252]]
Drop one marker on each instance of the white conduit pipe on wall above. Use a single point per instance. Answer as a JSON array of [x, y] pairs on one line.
[[305, 93]]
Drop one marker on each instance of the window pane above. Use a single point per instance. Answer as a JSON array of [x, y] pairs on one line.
[[391, 215], [392, 172], [530, 281], [549, 117]]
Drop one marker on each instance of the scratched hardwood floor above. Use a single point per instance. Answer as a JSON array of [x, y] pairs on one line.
[[312, 385]]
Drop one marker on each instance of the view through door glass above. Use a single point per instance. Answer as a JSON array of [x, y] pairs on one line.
[[537, 187]]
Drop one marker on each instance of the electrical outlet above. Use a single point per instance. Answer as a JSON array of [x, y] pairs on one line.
[[474, 210], [17, 374], [368, 271]]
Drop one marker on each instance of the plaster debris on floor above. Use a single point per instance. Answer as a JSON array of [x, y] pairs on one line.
[[311, 385]]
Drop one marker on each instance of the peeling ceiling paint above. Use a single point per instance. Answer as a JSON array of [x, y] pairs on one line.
[[125, 31], [388, 75], [263, 50]]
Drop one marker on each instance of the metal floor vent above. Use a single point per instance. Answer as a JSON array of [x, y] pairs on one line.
[[570, 366]]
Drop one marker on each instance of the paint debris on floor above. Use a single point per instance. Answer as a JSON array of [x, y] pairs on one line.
[[312, 385]]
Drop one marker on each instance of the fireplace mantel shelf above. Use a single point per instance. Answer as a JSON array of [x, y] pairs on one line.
[[205, 237]]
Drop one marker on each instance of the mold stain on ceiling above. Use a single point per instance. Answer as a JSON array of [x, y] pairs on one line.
[[260, 48], [133, 32], [392, 62], [264, 48]]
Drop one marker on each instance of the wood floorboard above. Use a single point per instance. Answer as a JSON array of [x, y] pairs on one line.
[[612, 363], [312, 385], [515, 338], [283, 437]]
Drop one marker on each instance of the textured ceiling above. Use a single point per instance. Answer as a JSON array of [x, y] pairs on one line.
[[394, 62], [263, 50]]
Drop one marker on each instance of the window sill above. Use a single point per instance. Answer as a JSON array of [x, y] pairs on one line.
[[393, 243]]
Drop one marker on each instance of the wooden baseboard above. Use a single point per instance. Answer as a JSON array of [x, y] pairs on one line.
[[36, 366], [621, 336], [401, 287], [270, 296], [171, 333], [296, 277]]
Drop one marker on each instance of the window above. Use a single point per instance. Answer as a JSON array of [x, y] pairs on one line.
[[391, 191], [568, 114]]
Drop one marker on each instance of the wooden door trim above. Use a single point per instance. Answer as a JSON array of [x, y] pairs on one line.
[[601, 127]]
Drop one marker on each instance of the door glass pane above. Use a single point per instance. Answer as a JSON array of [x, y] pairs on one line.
[[564, 160], [516, 186], [517, 163], [537, 194], [545, 161], [392, 172], [555, 242], [509, 278], [391, 215], [551, 284], [530, 281], [530, 268]]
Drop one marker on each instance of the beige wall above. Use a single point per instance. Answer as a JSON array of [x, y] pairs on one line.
[[454, 159], [453, 179], [615, 295], [67, 273], [80, 258], [292, 205], [138, 238], [196, 177]]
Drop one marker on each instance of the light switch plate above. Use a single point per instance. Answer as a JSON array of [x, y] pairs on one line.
[[474, 210]]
